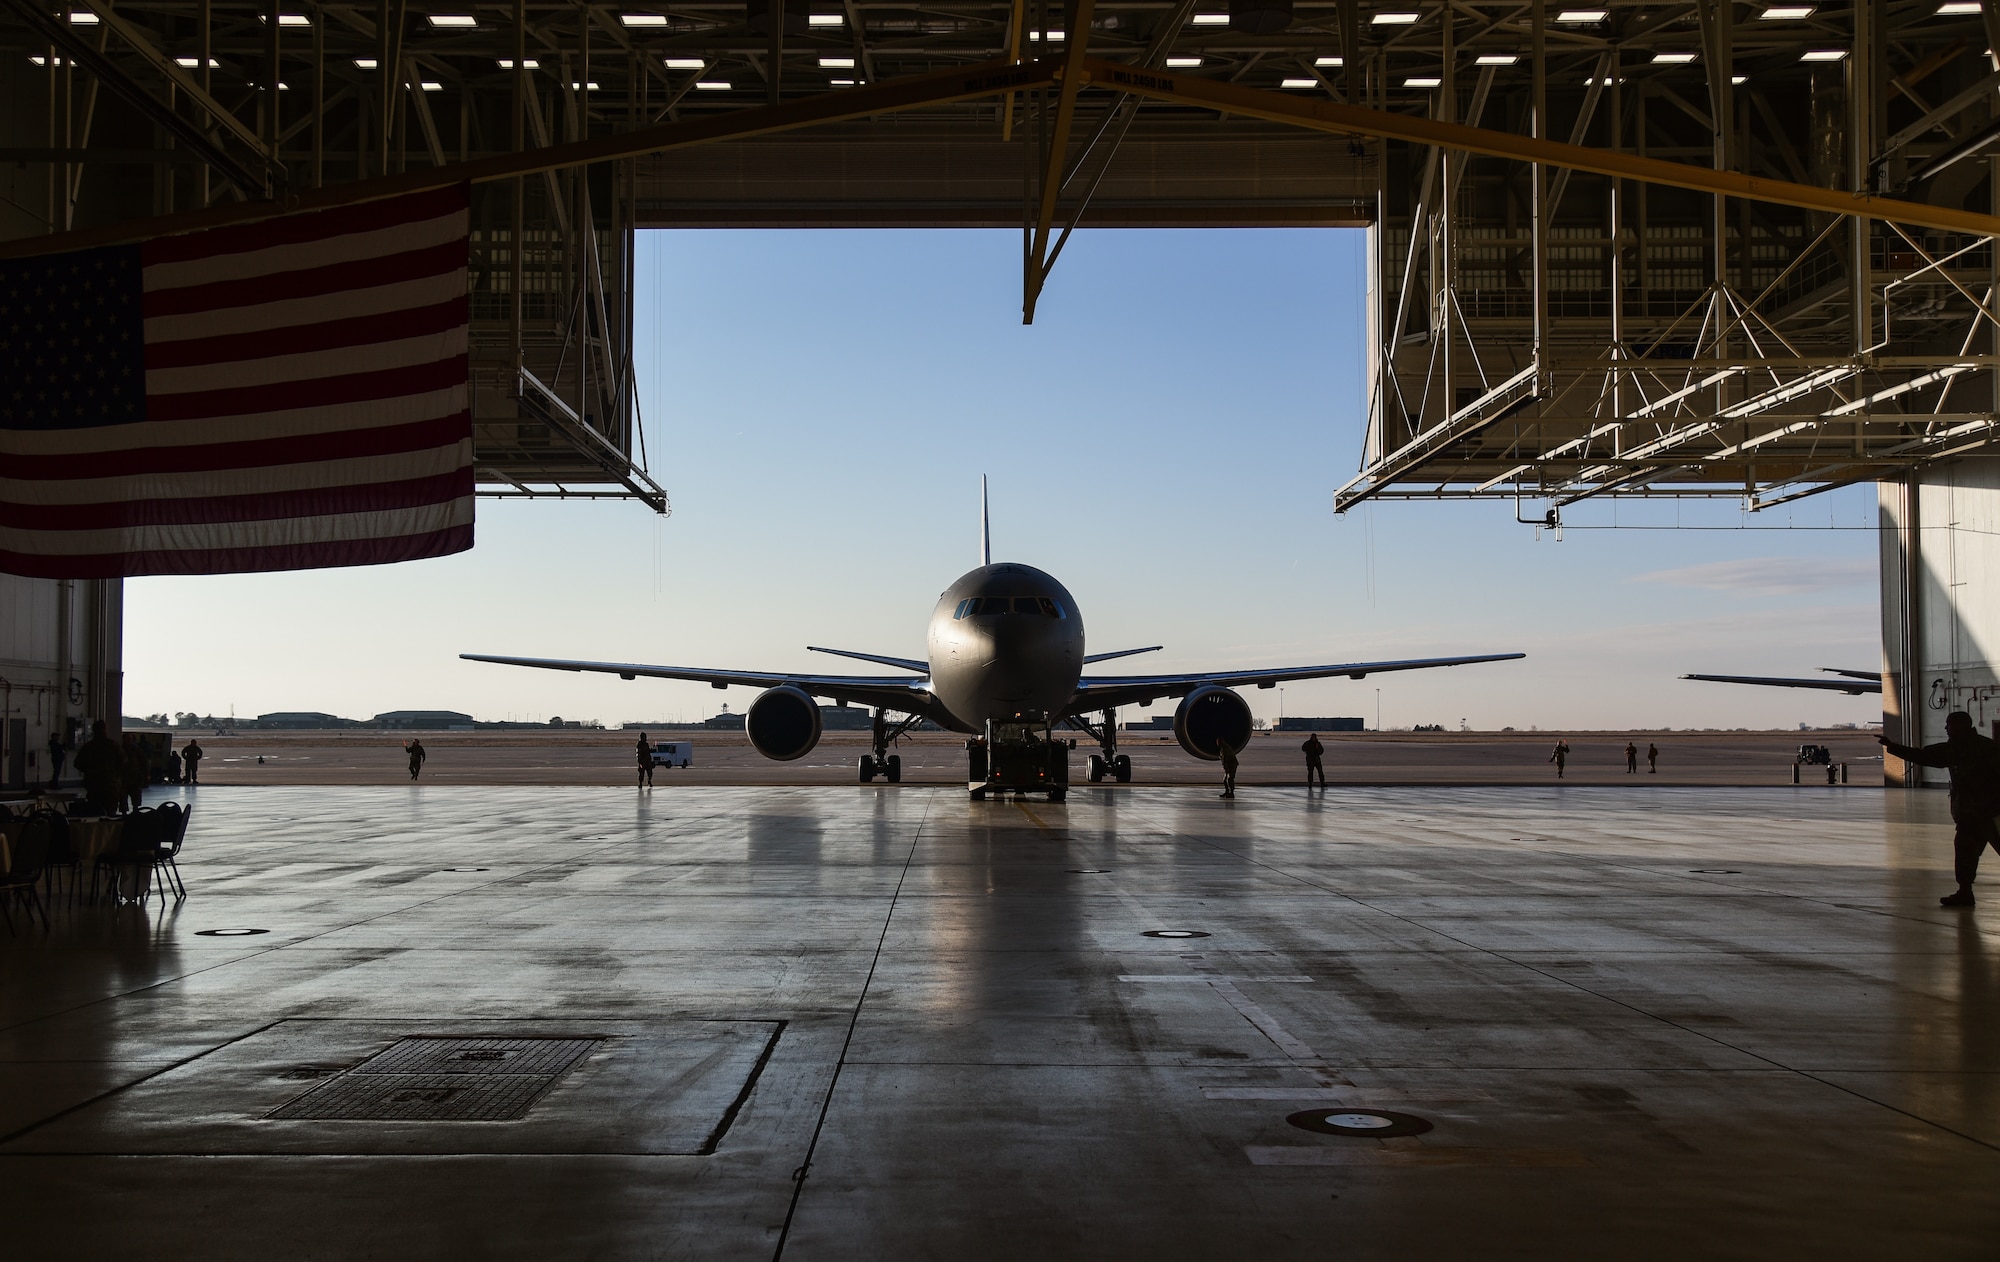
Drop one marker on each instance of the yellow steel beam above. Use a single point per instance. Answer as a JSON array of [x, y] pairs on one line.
[[968, 83], [1073, 80], [1323, 115]]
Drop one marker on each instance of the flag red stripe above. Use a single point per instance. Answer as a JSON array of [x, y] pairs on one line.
[[299, 556], [356, 331], [267, 506], [276, 397], [316, 226], [249, 454], [306, 282]]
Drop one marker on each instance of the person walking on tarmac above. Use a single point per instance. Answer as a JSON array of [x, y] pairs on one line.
[[645, 762], [1560, 757], [102, 765], [191, 760], [1974, 761], [1228, 754], [1314, 751], [1652, 759], [417, 756], [1631, 759]]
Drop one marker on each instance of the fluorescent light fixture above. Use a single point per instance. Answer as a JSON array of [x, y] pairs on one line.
[[576, 87], [1211, 19], [430, 85], [1395, 17], [1672, 59], [1606, 82], [642, 19], [452, 21], [87, 18], [1422, 81], [1958, 8], [194, 63], [1787, 12], [1329, 61], [529, 64], [1183, 63], [711, 85], [836, 63], [363, 63], [1055, 37], [1824, 54], [1739, 79], [1496, 59], [845, 83], [1582, 17], [43, 61], [684, 63], [294, 19], [1298, 83], [826, 19]]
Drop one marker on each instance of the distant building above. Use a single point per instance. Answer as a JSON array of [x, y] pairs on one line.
[[1290, 724], [846, 718], [303, 719], [725, 721], [1151, 723], [428, 720]]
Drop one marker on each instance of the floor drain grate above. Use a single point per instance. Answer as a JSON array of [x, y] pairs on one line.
[[442, 1080]]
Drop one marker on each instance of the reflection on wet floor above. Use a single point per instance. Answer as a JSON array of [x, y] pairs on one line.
[[1653, 1022]]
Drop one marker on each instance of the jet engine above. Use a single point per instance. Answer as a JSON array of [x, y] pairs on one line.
[[1210, 714], [783, 723]]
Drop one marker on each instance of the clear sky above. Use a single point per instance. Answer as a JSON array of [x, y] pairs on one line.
[[1165, 439]]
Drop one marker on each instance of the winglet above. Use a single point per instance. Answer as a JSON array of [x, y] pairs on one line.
[[985, 526]]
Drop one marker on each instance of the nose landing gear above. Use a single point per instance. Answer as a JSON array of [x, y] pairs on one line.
[[883, 763], [1110, 762]]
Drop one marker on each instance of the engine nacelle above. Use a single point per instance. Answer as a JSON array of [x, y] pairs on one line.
[[1208, 715], [783, 723]]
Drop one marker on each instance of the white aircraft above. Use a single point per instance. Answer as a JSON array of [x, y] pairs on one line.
[[1006, 665]]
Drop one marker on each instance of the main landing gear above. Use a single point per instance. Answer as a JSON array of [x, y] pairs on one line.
[[1109, 762], [883, 763]]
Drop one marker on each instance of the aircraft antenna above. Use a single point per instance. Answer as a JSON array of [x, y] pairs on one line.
[[985, 526]]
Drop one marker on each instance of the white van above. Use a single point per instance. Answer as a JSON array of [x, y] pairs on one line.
[[673, 754]]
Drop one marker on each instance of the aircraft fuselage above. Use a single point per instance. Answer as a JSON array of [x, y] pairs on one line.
[[1006, 644]]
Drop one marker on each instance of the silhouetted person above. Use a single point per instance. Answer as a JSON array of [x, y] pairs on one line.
[[1974, 761], [417, 757], [174, 770], [137, 771], [1560, 757], [1314, 767], [102, 765], [645, 761], [191, 760], [56, 752], [1631, 759], [1652, 759], [1228, 754]]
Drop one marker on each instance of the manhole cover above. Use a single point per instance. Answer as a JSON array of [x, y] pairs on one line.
[[442, 1080], [1174, 933], [1367, 1123], [227, 933]]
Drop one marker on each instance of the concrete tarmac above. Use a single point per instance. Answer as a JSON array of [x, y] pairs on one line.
[[863, 1023]]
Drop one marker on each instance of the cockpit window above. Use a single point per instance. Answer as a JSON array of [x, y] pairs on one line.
[[964, 607], [991, 605], [1051, 608], [1027, 604]]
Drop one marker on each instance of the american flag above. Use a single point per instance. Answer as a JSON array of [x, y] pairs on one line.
[[284, 395]]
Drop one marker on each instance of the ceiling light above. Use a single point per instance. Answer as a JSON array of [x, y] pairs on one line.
[[711, 85], [1422, 81], [294, 19], [1739, 79], [1329, 61], [583, 87], [684, 63], [88, 19], [1581, 17], [1055, 37], [528, 64], [1672, 59], [43, 61], [1787, 12], [1824, 54], [1958, 8], [1496, 59], [453, 21], [845, 83], [1183, 63], [1298, 83], [642, 19], [364, 63], [431, 85], [826, 19], [836, 63], [1396, 18], [193, 63], [1211, 19]]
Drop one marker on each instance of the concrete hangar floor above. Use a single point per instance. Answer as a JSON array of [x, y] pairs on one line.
[[868, 1023]]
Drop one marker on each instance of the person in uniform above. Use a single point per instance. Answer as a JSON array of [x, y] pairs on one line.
[[417, 757], [1314, 751], [1631, 759], [102, 765], [56, 752], [645, 761], [1560, 757], [1974, 761], [137, 773], [1228, 753], [191, 760], [1652, 759]]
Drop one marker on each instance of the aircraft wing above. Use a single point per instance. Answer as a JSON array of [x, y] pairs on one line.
[[895, 692], [1094, 693], [1854, 685]]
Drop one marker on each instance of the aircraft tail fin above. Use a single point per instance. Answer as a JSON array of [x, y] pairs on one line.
[[985, 526]]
